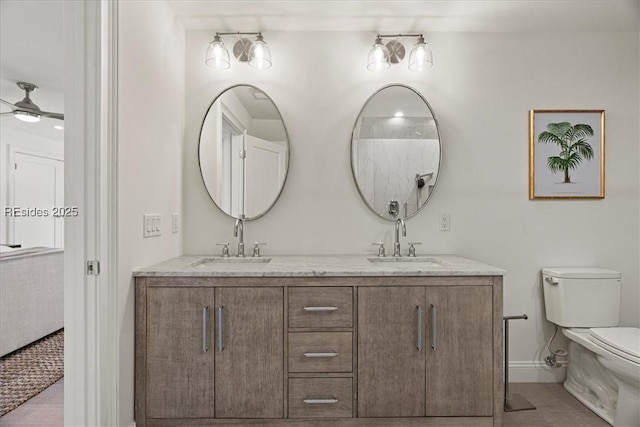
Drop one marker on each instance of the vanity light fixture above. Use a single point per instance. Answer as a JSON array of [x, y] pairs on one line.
[[256, 53], [381, 56], [378, 58]]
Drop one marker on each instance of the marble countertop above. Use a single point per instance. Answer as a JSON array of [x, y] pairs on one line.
[[319, 266]]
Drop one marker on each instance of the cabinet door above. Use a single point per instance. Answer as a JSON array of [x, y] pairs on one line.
[[250, 367], [459, 370], [391, 368], [179, 364]]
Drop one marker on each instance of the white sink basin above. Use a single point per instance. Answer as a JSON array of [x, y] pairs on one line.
[[230, 260], [418, 261]]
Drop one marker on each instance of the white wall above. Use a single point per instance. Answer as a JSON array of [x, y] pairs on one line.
[[150, 138], [481, 89], [270, 130]]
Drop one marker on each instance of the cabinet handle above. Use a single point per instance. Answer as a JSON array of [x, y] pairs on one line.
[[434, 327], [220, 346], [205, 343], [329, 354], [319, 401], [419, 328], [308, 308]]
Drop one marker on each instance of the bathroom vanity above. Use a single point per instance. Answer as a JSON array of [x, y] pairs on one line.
[[302, 340]]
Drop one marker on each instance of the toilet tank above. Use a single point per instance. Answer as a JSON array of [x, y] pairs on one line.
[[578, 297]]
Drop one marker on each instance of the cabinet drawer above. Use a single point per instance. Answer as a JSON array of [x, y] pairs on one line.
[[320, 307], [320, 352], [320, 397]]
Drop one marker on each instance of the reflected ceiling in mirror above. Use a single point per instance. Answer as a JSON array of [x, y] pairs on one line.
[[243, 152], [396, 152]]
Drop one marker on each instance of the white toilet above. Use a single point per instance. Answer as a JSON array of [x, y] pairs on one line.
[[604, 359]]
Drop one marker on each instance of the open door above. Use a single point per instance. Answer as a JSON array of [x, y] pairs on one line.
[[265, 167]]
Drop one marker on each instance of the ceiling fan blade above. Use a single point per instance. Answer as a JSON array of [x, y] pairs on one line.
[[58, 116], [7, 113], [10, 105]]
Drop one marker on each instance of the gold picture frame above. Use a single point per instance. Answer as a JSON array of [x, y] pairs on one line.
[[566, 154]]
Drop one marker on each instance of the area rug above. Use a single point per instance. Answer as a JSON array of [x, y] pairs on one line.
[[30, 369]]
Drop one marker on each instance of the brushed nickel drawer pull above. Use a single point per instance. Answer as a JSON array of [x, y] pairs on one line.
[[434, 327], [310, 308], [419, 344], [328, 354], [220, 344], [320, 401], [205, 343]]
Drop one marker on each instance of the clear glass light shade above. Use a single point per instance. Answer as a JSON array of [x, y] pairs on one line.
[[259, 55], [26, 117], [420, 57], [378, 58], [217, 55]]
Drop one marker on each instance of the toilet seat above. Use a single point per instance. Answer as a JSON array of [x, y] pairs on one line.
[[623, 342]]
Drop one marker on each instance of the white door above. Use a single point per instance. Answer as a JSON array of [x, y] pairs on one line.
[[265, 165], [38, 187]]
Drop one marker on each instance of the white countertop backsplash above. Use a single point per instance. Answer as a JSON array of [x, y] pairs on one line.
[[318, 266]]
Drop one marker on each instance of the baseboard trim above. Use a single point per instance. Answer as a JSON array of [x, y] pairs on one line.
[[535, 372]]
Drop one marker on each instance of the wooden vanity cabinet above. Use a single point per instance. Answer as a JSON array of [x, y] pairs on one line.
[[391, 369], [179, 366], [425, 351], [320, 351], [205, 352], [299, 351], [249, 367], [459, 371]]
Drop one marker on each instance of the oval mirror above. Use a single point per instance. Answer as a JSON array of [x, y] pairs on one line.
[[243, 152], [396, 152]]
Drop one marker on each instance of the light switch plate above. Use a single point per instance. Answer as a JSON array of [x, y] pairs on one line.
[[150, 225], [175, 222]]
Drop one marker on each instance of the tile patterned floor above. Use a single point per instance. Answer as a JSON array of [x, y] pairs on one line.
[[555, 408]]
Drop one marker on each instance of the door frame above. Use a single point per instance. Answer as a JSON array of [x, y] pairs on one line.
[[90, 301]]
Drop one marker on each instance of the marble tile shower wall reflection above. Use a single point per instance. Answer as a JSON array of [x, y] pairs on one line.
[[388, 166], [398, 127]]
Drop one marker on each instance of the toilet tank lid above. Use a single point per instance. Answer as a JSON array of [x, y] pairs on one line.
[[580, 273]]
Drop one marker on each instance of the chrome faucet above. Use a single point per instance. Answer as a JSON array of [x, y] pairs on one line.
[[396, 243], [238, 231]]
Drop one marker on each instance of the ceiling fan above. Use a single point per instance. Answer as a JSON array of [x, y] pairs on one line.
[[26, 110]]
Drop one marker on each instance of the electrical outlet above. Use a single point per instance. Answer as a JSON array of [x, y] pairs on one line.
[[150, 225], [175, 223], [445, 221]]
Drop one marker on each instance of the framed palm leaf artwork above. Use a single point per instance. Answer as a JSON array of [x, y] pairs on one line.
[[566, 154]]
